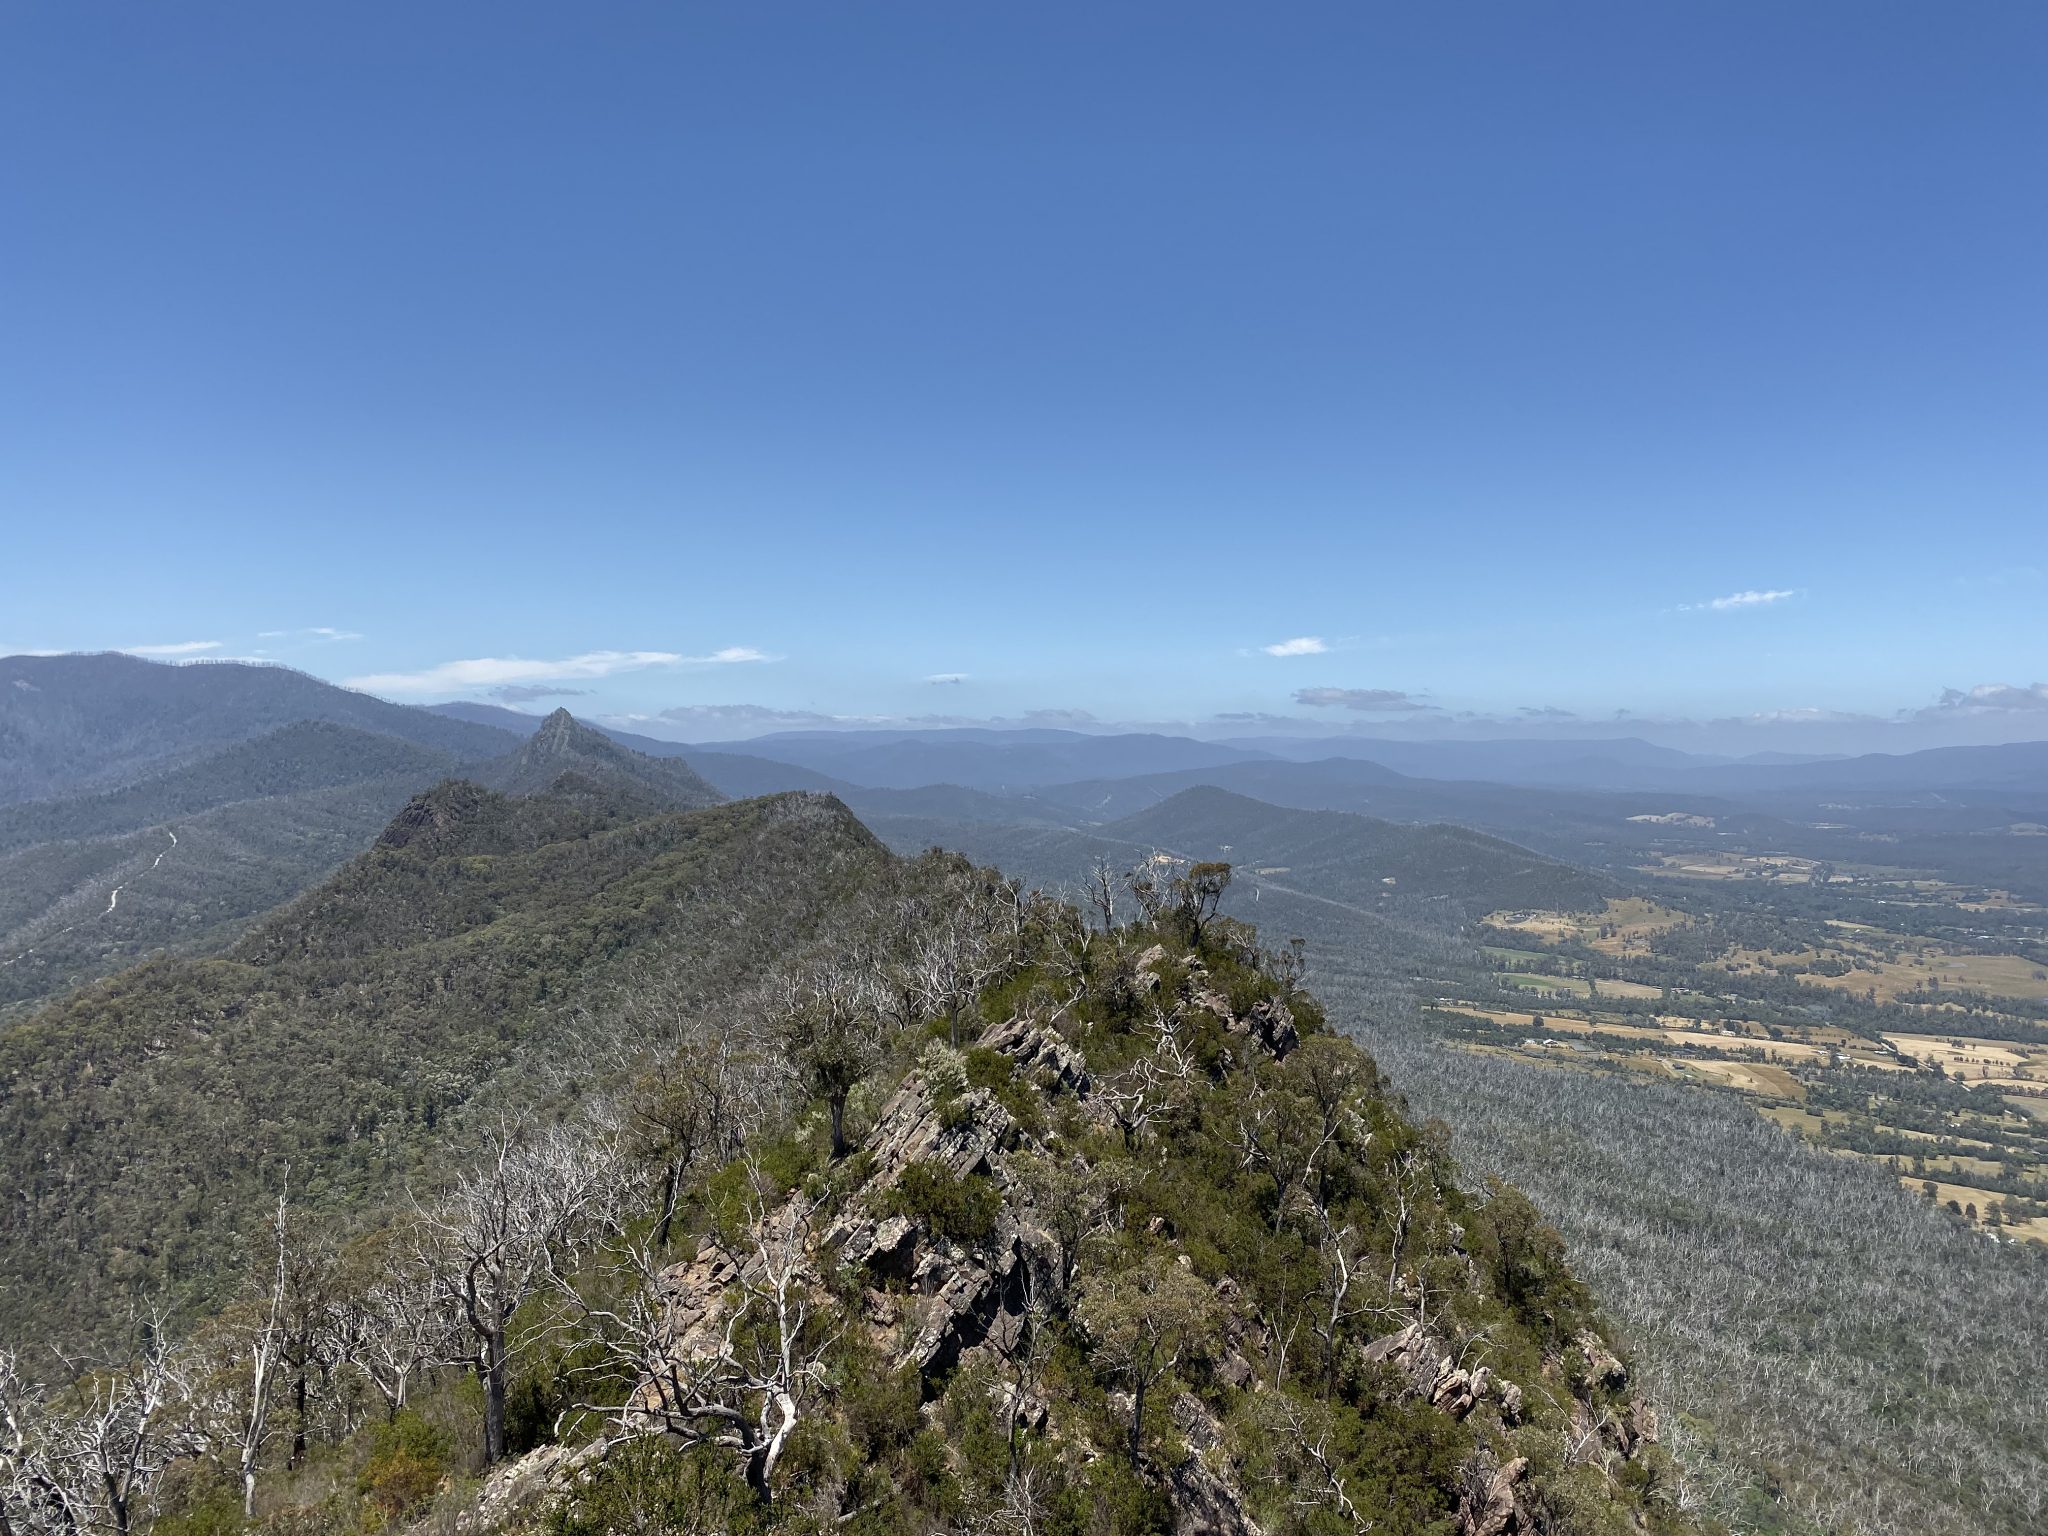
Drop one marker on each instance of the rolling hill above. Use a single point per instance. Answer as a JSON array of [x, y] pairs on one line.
[[1358, 858]]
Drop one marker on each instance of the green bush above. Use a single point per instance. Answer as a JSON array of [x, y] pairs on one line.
[[209, 1505], [650, 1488], [963, 1209], [408, 1463]]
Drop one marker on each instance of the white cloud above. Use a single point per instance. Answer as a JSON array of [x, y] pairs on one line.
[[176, 648], [947, 677], [1991, 699], [1753, 598], [1300, 645], [489, 672], [313, 632]]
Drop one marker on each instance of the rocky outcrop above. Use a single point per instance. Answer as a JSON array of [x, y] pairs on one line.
[[1492, 1509], [926, 1299], [519, 1492], [965, 1226], [1205, 1500], [1043, 1055], [1435, 1377]]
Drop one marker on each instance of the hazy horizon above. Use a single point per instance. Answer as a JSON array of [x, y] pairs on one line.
[[1957, 721]]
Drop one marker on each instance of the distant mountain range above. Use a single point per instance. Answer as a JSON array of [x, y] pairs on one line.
[[72, 724], [977, 759], [1022, 761], [293, 759], [268, 779], [1360, 858]]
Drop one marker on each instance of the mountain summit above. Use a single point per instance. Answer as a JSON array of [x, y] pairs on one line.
[[566, 759]]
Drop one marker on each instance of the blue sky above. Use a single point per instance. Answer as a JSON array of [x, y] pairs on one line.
[[790, 355]]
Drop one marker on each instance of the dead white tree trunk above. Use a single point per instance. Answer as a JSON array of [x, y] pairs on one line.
[[262, 1366]]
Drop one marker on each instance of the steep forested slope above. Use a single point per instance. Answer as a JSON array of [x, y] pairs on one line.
[[294, 759], [974, 1216], [138, 1115], [1155, 1252], [179, 860], [187, 888]]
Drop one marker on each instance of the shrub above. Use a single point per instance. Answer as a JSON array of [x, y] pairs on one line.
[[963, 1209], [649, 1488], [407, 1464]]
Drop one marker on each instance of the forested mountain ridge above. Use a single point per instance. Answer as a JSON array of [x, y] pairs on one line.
[[142, 1116], [973, 1216], [180, 859], [80, 723]]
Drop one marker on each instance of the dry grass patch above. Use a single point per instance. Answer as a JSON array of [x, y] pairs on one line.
[[1893, 966], [1558, 986], [1778, 868], [1608, 987], [1626, 924], [1967, 1195], [1746, 1076], [2000, 1062]]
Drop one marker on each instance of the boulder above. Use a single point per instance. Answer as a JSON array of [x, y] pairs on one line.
[[1494, 1512]]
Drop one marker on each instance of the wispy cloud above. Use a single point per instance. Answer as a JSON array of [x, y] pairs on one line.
[[732, 653], [947, 678], [322, 632], [1364, 700], [2003, 576], [488, 672], [1300, 645], [715, 722], [1753, 598], [174, 648], [708, 722], [526, 693]]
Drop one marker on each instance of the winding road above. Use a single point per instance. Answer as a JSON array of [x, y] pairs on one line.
[[113, 900]]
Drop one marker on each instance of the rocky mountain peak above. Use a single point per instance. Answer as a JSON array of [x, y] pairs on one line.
[[561, 733]]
